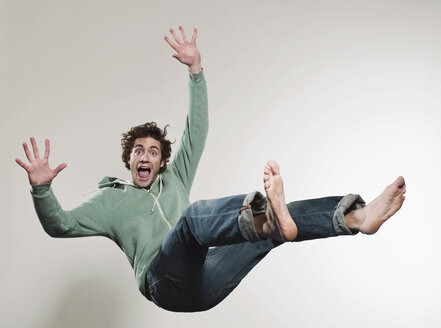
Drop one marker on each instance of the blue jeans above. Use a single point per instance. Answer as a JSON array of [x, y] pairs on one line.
[[207, 253]]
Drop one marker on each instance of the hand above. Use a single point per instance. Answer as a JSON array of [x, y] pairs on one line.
[[187, 52], [38, 169]]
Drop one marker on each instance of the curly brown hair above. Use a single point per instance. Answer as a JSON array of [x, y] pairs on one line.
[[149, 129]]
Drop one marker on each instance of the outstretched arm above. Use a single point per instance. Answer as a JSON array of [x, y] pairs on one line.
[[187, 157], [85, 220], [186, 51], [38, 168]]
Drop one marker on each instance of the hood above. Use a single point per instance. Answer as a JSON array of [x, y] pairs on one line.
[[112, 182]]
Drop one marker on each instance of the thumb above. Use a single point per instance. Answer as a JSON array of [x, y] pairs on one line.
[[59, 168]]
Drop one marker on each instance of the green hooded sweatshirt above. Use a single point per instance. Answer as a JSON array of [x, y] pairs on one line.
[[136, 219]]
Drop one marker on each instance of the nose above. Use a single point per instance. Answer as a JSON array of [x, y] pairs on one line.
[[144, 158]]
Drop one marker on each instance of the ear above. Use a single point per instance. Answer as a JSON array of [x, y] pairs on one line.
[[162, 163]]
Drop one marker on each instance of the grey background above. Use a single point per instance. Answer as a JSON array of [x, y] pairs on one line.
[[344, 94]]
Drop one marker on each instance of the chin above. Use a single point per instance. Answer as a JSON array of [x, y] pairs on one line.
[[144, 184]]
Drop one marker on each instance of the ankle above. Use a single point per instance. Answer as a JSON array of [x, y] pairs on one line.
[[259, 221], [354, 219]]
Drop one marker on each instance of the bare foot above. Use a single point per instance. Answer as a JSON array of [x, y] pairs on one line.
[[370, 218], [279, 224]]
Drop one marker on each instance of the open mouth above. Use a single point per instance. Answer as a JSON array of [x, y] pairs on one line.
[[143, 172]]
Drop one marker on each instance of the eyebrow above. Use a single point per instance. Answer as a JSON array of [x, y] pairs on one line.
[[142, 146]]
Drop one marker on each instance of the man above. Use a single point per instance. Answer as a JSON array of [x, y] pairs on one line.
[[171, 245]]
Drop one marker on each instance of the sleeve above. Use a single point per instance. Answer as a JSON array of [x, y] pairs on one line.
[[192, 144], [88, 219]]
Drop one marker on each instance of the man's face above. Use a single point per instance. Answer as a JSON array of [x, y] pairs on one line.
[[145, 161]]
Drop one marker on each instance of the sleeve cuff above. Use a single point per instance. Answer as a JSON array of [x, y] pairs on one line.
[[197, 77], [40, 188]]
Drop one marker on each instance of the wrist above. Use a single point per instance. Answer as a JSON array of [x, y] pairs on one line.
[[195, 68], [39, 181]]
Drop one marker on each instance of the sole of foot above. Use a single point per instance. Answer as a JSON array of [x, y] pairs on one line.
[[279, 225]]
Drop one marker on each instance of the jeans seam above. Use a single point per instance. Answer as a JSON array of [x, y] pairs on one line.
[[208, 257], [211, 215], [235, 283], [315, 213], [155, 283]]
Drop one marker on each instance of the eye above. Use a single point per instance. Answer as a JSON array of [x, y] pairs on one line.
[[154, 153], [137, 151]]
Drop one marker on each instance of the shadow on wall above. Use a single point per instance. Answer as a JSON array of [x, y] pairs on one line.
[[88, 303]]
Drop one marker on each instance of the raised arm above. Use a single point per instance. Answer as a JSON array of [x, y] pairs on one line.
[[187, 157]]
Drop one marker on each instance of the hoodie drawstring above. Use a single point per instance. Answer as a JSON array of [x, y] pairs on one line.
[[157, 203], [159, 194]]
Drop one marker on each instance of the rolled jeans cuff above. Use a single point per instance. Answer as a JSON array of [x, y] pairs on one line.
[[347, 204], [253, 204]]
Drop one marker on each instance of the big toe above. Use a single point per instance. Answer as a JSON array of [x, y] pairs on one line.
[[274, 166], [399, 182]]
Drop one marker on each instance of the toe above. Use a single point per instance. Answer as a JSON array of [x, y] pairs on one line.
[[399, 182], [274, 166], [267, 185]]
